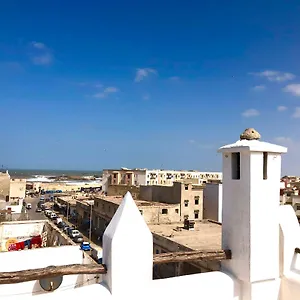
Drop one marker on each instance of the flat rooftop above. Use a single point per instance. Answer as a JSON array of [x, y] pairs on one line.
[[140, 203], [207, 235]]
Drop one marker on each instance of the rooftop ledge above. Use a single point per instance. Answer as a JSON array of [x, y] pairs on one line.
[[252, 146]]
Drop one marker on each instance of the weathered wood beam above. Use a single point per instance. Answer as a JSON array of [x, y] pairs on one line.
[[50, 272], [54, 271], [189, 256]]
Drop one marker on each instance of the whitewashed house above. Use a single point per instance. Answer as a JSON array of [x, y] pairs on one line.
[[261, 234]]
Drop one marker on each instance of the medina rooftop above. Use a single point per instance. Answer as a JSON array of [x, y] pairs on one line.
[[260, 238]]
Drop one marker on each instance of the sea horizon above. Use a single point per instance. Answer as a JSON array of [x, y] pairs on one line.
[[29, 173]]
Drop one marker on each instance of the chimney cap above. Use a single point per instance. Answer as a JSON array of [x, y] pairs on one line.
[[250, 134]]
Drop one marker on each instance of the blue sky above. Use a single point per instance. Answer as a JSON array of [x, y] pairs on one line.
[[156, 84]]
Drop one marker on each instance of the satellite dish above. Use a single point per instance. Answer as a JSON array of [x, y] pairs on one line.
[[51, 284]]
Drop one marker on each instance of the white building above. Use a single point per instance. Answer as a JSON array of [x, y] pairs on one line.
[[261, 234], [156, 177], [212, 201]]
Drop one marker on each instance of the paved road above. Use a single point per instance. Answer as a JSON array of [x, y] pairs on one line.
[[32, 214]]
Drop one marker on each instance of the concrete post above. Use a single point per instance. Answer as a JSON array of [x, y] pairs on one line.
[[128, 252]]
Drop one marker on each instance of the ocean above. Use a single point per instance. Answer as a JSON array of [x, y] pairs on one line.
[[27, 174]]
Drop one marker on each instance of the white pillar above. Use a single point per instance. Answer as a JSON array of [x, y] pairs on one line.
[[128, 252], [250, 224]]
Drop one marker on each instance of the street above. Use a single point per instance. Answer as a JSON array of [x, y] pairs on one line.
[[32, 214]]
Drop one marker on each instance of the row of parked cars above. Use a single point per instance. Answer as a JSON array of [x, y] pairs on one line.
[[71, 231]]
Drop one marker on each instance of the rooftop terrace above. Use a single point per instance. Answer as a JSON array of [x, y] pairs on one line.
[[207, 234], [140, 203]]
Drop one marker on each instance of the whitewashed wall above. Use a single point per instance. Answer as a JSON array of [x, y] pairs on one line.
[[212, 202], [40, 258], [19, 231]]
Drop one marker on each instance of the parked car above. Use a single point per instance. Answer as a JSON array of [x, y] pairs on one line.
[[57, 220], [70, 229], [74, 233], [85, 246], [96, 254], [47, 212], [53, 216], [61, 225], [38, 209], [78, 239], [66, 229]]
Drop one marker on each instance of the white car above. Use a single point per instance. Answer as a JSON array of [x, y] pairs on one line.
[[74, 233], [48, 212], [53, 215]]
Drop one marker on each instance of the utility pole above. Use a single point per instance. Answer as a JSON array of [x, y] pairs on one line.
[[67, 211], [90, 231]]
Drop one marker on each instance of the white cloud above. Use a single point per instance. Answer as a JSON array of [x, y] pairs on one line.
[[44, 59], [281, 108], [293, 89], [272, 75], [99, 95], [108, 90], [40, 54], [38, 45], [258, 88], [143, 73], [250, 113], [296, 114]]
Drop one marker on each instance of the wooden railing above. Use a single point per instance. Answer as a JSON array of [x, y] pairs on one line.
[[76, 269]]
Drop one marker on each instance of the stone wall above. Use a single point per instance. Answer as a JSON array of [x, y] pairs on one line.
[[121, 190]]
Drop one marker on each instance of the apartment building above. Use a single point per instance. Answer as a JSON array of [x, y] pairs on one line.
[[12, 193], [188, 196], [153, 212], [139, 177]]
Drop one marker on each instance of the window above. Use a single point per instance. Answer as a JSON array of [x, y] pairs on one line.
[[196, 200], [164, 211], [141, 212], [186, 187], [177, 211], [236, 165], [265, 166], [186, 203], [186, 217], [157, 251], [196, 214], [115, 176]]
